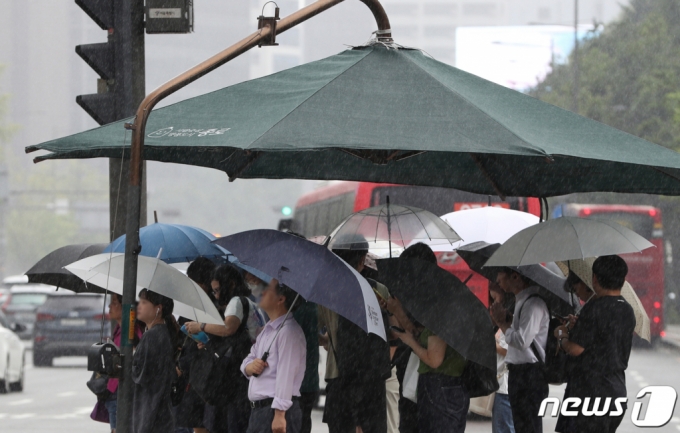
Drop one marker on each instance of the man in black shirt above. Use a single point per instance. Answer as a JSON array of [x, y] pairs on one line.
[[600, 344]]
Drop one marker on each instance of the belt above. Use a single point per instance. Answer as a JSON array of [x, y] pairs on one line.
[[523, 367], [267, 402]]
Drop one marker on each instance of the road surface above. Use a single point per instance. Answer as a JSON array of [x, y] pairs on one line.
[[56, 399]]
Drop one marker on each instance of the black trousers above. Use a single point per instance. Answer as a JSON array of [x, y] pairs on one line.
[[526, 389], [356, 404], [307, 402], [261, 419]]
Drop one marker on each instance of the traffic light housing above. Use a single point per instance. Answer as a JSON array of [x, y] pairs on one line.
[[100, 106]]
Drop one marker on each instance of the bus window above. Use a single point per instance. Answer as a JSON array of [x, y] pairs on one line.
[[439, 201]]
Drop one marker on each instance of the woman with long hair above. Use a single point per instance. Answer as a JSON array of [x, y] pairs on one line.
[[243, 321], [153, 365]]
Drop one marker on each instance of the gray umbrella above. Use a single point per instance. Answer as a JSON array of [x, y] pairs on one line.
[[567, 238], [548, 277]]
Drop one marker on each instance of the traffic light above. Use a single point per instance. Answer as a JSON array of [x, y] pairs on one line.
[[286, 211], [101, 57]]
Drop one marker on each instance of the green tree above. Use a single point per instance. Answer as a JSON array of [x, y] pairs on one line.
[[629, 74]]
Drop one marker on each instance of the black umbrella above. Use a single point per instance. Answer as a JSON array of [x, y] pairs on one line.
[[550, 282], [444, 305], [50, 269]]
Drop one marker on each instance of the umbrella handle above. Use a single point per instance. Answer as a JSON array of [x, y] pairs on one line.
[[264, 359]]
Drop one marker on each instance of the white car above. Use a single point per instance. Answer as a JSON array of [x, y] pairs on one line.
[[12, 357]]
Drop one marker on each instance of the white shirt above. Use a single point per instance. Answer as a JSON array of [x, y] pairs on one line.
[[255, 321], [529, 323], [501, 367]]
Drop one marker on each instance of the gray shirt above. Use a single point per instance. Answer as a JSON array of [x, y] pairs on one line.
[[529, 323]]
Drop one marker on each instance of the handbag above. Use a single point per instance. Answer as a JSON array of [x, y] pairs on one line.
[[479, 381], [483, 405], [100, 413], [98, 384], [410, 383]]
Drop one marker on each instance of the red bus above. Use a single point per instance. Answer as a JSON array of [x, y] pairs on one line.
[[319, 212], [645, 269]]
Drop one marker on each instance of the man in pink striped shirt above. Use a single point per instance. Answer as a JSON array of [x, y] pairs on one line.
[[274, 388]]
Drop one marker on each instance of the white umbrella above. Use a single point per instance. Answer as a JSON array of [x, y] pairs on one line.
[[390, 228], [106, 271], [567, 238], [493, 225]]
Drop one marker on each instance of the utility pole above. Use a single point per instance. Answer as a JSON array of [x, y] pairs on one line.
[[576, 72]]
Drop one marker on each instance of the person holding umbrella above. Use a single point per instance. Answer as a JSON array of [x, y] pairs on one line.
[[275, 366], [526, 336], [356, 396], [241, 315], [153, 365], [599, 347], [443, 400]]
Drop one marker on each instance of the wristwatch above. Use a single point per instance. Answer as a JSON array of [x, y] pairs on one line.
[[202, 326]]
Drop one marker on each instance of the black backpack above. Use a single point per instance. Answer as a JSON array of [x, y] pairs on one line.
[[215, 370], [554, 366]]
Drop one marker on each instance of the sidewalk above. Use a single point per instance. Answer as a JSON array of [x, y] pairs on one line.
[[672, 337]]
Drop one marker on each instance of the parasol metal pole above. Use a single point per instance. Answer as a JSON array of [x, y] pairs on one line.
[[389, 227], [132, 249]]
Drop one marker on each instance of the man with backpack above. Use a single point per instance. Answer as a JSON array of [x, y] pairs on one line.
[[527, 386]]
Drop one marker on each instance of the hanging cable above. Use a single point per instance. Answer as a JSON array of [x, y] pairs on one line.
[[115, 218]]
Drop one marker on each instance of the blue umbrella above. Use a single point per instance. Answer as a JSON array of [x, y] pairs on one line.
[[311, 270], [180, 243]]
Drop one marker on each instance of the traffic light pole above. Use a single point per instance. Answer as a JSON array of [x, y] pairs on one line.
[[129, 91], [264, 35]]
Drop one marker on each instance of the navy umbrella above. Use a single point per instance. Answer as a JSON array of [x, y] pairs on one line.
[[444, 305], [179, 243], [50, 269], [311, 270]]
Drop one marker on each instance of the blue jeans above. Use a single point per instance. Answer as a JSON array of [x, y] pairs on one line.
[[443, 403], [501, 421], [112, 406]]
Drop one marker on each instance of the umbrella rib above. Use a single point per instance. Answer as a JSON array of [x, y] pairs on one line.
[[308, 98], [487, 175]]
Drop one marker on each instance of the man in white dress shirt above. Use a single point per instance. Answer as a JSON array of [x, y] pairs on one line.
[[527, 386]]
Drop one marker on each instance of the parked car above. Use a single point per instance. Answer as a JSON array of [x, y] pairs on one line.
[[24, 301], [12, 356], [67, 325]]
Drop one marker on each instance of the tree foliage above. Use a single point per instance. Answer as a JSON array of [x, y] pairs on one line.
[[629, 75]]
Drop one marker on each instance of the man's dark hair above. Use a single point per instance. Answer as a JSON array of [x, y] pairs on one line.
[[419, 251], [507, 270], [231, 283], [289, 294], [201, 271], [610, 271]]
